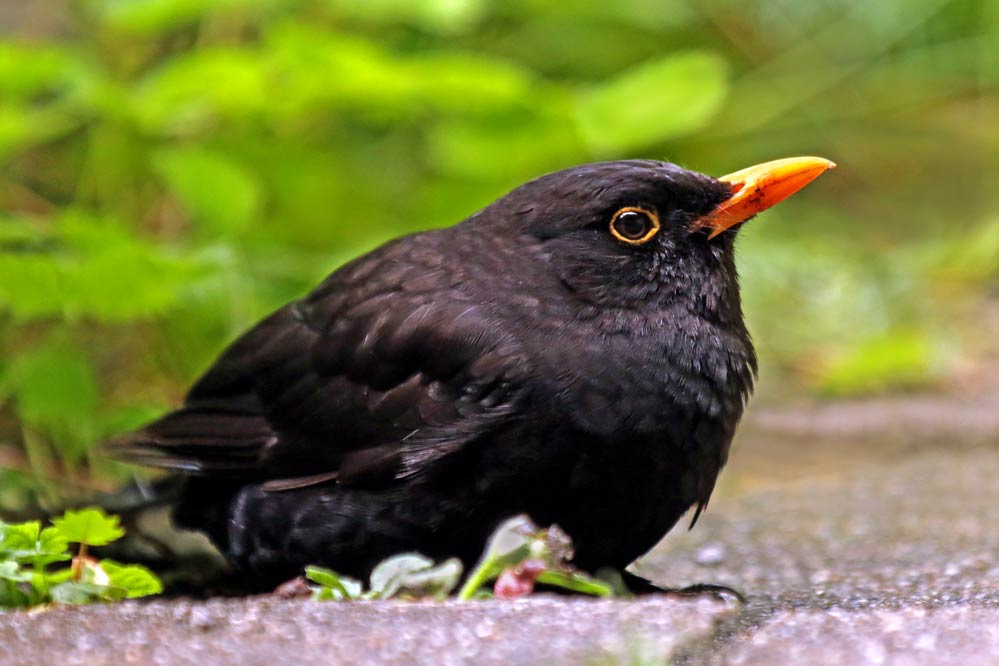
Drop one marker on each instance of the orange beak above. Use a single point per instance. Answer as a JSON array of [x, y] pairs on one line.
[[759, 187]]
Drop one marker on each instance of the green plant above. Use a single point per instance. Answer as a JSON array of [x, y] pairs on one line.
[[30, 555], [518, 555], [405, 575]]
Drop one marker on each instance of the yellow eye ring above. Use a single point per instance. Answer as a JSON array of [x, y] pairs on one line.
[[634, 225]]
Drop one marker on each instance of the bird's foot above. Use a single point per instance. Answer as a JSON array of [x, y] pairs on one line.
[[638, 586], [720, 592]]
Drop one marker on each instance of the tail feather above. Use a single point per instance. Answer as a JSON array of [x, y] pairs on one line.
[[199, 439]]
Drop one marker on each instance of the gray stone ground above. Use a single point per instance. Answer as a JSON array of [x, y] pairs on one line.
[[863, 533]]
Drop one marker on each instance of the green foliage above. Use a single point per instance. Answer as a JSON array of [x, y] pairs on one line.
[[518, 541], [216, 192], [27, 553], [627, 113], [175, 169], [407, 575], [516, 544], [900, 358]]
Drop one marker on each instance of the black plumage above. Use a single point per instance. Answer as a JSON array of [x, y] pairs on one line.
[[527, 360]]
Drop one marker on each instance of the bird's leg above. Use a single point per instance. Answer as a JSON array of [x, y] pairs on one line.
[[639, 586]]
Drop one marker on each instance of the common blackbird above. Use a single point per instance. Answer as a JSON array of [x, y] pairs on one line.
[[575, 351]]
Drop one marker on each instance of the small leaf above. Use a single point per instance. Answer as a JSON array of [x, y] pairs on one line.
[[75, 593], [90, 526], [12, 572], [333, 586], [575, 581], [23, 544], [415, 575], [511, 538], [386, 578], [436, 581], [134, 580], [19, 537], [11, 595], [509, 545], [52, 542]]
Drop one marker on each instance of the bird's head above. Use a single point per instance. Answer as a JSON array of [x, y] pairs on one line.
[[624, 234]]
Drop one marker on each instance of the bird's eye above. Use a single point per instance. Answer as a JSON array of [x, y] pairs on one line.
[[634, 226]]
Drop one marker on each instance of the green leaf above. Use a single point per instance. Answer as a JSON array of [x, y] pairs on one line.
[[96, 268], [90, 526], [22, 543], [27, 70], [12, 571], [24, 125], [441, 16], [575, 581], [134, 580], [148, 17], [333, 586], [76, 593], [11, 595], [55, 390], [511, 543], [507, 149], [219, 194], [195, 90], [416, 575], [896, 359], [655, 101], [19, 536], [52, 542], [385, 578]]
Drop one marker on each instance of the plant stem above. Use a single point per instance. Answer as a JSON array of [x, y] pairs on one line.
[[78, 561], [479, 576]]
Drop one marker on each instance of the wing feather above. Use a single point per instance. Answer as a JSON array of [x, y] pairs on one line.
[[353, 384]]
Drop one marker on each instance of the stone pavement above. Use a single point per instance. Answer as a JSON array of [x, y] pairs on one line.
[[863, 533]]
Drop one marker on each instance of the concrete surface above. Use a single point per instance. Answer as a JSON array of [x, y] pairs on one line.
[[269, 632], [859, 536]]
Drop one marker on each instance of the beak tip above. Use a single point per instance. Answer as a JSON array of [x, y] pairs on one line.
[[759, 187]]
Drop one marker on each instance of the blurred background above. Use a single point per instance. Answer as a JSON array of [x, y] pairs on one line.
[[173, 170]]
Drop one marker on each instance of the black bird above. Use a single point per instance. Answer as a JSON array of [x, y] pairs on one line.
[[575, 351]]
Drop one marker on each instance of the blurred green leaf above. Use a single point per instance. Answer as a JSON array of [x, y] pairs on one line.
[[55, 390], [24, 125], [28, 70], [150, 18], [509, 148], [443, 16], [657, 100], [19, 537], [899, 359], [219, 194], [196, 90], [75, 593], [12, 572], [95, 268], [321, 71]]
